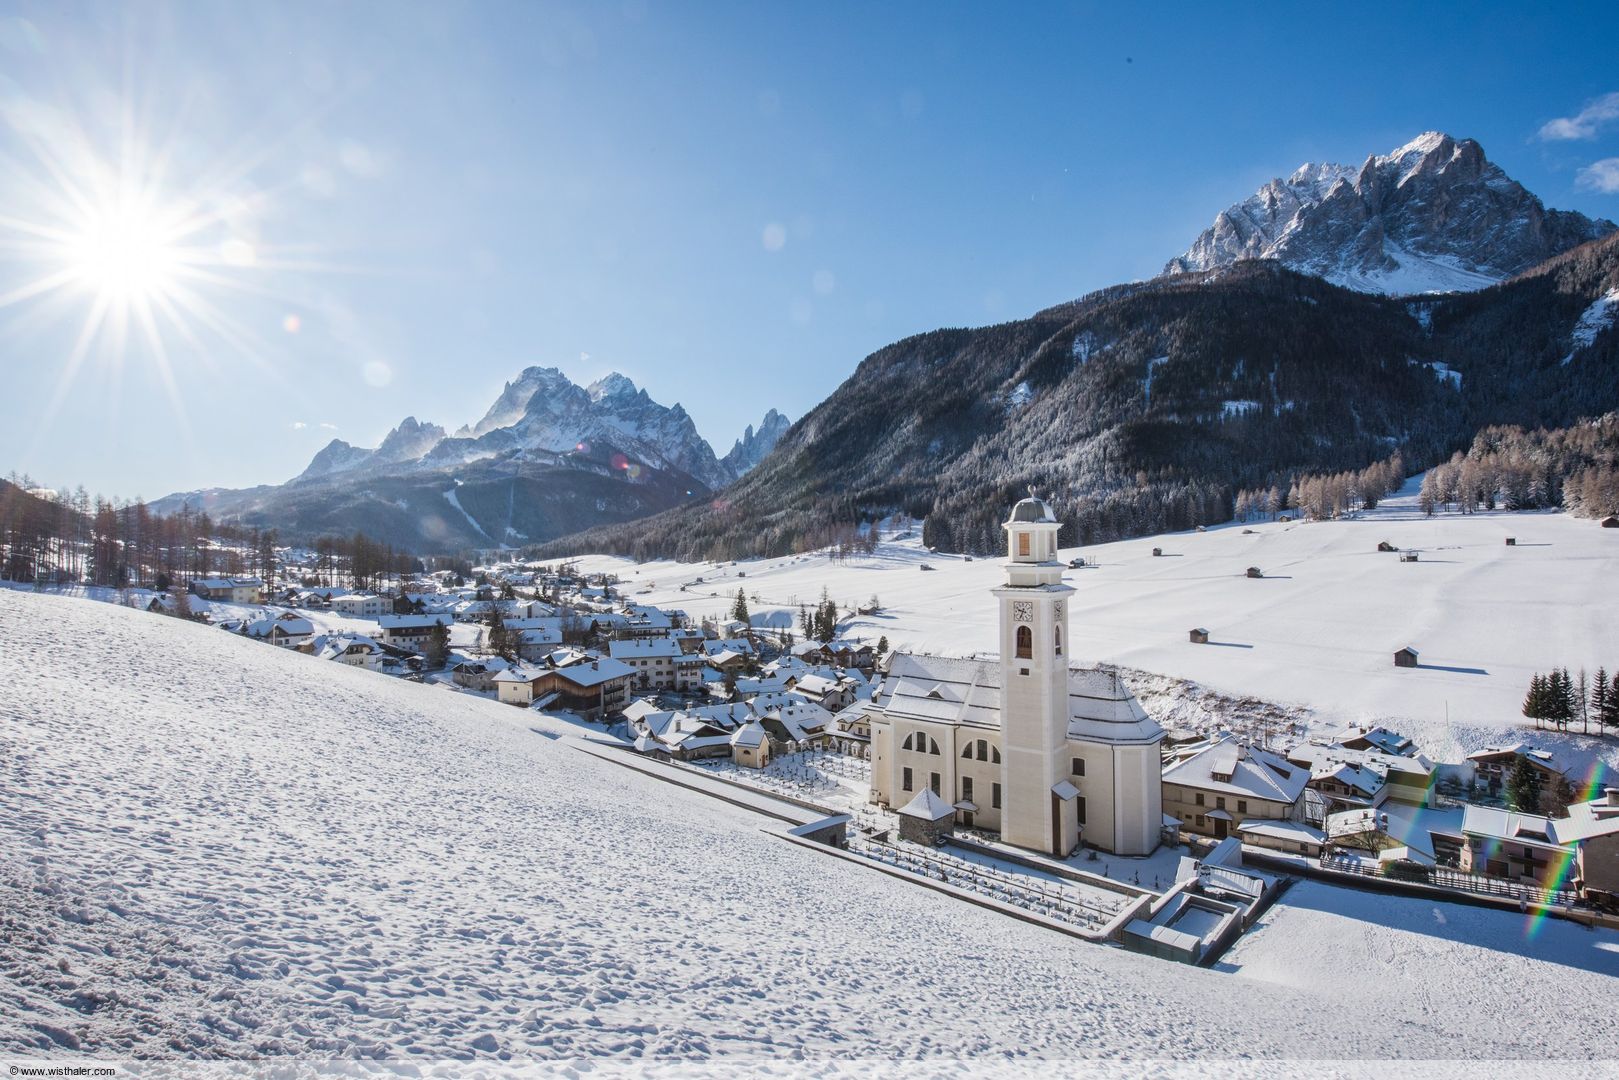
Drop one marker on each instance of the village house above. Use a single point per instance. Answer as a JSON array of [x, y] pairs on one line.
[[1024, 745], [797, 723], [410, 631], [537, 643], [1593, 828], [478, 675], [1518, 847], [1292, 837], [659, 663], [362, 605], [228, 590], [286, 630], [1493, 767], [1354, 776], [1215, 788], [589, 686], [351, 650]]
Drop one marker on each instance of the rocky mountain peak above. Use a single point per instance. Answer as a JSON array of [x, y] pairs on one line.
[[1432, 215], [755, 444]]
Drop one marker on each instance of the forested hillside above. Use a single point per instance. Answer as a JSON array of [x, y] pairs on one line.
[[1146, 407]]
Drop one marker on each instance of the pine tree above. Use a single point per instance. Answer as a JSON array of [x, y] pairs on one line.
[[882, 645], [739, 610], [1563, 700], [1534, 702], [1610, 714], [1523, 787], [500, 639], [1599, 697], [438, 646]]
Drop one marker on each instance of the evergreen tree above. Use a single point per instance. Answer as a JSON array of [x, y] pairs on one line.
[[1610, 713], [1523, 788], [739, 610], [1599, 697], [500, 638], [1563, 699], [1534, 702], [437, 651], [882, 645]]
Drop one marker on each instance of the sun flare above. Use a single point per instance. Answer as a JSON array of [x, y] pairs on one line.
[[128, 253]]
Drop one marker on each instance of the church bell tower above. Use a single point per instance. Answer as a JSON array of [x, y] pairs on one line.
[[1038, 812]]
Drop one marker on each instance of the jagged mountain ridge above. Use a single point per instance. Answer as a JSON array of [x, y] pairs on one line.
[[1143, 407], [549, 457], [1433, 215], [753, 446]]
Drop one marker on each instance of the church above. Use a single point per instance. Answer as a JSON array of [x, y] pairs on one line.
[[1046, 755]]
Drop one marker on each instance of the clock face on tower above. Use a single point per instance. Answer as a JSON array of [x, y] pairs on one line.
[[1023, 611]]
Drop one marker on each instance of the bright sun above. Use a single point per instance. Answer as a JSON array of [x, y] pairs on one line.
[[126, 254]]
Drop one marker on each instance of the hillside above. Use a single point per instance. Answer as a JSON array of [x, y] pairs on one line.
[[213, 848], [1318, 632], [1143, 408]]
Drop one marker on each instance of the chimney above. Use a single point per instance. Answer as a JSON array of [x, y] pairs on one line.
[[1613, 796]]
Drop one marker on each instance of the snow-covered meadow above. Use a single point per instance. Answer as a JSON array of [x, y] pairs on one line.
[[213, 847], [1317, 632]]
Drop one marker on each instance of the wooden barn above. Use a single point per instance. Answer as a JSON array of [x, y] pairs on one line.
[[1254, 571], [1512, 541], [1610, 522], [1408, 556], [1384, 545], [1199, 636], [1406, 657]]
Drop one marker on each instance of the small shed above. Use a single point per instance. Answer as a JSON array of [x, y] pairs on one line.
[[1157, 551], [1201, 529], [1254, 571], [1408, 556], [1199, 636], [1512, 541], [1610, 522], [1384, 545], [1406, 657], [1284, 518], [926, 819]]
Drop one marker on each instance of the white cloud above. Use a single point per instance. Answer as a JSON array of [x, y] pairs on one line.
[[328, 427], [1600, 176], [298, 425], [1585, 124]]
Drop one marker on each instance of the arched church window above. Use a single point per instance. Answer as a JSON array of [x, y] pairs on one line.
[[909, 742], [995, 754], [1059, 641], [933, 747], [967, 751], [1025, 643]]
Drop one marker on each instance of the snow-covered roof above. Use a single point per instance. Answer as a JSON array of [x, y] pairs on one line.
[[749, 735], [949, 690], [1495, 823], [1032, 509], [1292, 831], [1228, 766], [643, 649], [1599, 817], [928, 806]]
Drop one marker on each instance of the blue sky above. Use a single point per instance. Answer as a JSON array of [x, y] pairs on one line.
[[732, 204]]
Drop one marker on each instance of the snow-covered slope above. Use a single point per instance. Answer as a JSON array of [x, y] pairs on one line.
[[1319, 629], [1431, 216], [214, 847]]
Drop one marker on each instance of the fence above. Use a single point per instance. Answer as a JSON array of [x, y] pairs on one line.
[[1463, 882]]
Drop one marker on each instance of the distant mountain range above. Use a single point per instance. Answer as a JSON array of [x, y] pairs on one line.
[[1276, 343], [1435, 215], [547, 458]]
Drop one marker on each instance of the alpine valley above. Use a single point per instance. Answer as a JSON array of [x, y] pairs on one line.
[[1332, 320]]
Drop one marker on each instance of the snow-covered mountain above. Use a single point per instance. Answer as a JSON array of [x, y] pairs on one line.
[[543, 412], [1434, 215], [548, 457], [752, 447]]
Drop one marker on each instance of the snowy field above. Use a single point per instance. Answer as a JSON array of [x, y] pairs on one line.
[[1318, 631], [213, 847]]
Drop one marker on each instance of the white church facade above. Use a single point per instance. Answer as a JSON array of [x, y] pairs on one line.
[[1025, 746]]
